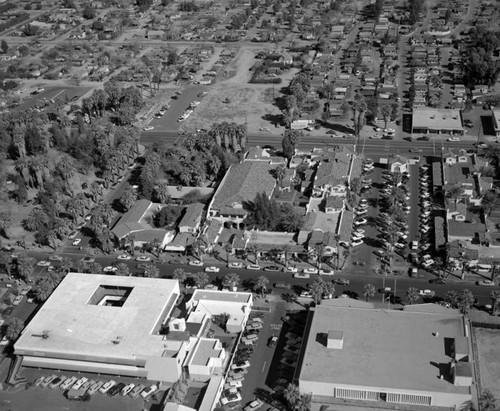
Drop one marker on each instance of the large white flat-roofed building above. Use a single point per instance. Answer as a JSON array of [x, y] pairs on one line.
[[411, 358], [106, 324], [437, 121]]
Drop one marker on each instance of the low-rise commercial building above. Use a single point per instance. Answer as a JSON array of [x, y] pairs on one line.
[[420, 356]]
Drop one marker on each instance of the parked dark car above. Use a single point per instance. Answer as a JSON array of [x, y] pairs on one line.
[[116, 389]]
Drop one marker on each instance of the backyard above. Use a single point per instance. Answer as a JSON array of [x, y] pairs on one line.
[[488, 355]]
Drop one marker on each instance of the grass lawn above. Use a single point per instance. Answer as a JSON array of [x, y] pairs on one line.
[[489, 359]]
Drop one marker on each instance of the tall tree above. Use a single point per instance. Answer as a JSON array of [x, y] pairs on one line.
[[412, 295], [231, 280], [368, 291], [201, 279], [14, 329], [289, 143], [261, 285]]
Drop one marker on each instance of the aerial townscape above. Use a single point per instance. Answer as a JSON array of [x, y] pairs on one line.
[[274, 205]]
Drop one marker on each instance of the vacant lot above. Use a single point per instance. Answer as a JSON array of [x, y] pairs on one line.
[[489, 355], [235, 100]]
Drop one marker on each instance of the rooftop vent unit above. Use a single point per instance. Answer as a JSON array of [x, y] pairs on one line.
[[335, 340]]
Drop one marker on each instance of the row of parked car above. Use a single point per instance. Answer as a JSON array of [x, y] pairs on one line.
[[80, 387], [231, 395]]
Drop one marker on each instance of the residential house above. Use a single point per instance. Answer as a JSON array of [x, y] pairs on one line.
[[334, 204], [191, 220], [136, 222]]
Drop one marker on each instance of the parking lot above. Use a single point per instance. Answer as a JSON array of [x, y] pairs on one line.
[[264, 357], [51, 399], [168, 122], [51, 93]]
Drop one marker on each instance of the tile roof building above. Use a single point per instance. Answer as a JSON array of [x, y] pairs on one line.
[[241, 184]]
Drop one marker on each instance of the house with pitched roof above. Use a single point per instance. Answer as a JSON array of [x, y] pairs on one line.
[[135, 221], [240, 185]]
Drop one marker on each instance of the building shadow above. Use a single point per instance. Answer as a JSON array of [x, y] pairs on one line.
[[444, 371]]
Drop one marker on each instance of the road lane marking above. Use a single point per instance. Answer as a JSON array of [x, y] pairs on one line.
[[264, 366]]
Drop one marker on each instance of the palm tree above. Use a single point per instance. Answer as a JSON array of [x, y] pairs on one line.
[[412, 295], [5, 263], [122, 270], [25, 267], [5, 223], [465, 301], [368, 291], [386, 112], [36, 220], [52, 239], [130, 240], [279, 174], [261, 284], [495, 301], [180, 275], [345, 255], [318, 251], [201, 279], [151, 271], [231, 281], [454, 193], [317, 290], [65, 265], [255, 250], [489, 202], [14, 329], [292, 395]]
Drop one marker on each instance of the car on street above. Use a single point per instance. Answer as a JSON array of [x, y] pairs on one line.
[[326, 272], [360, 211], [356, 243], [254, 405], [310, 270], [301, 275], [110, 269], [253, 267], [423, 138], [143, 258], [291, 269], [272, 268], [235, 265], [77, 241], [148, 128], [285, 286], [453, 139], [438, 281], [426, 293], [305, 294], [124, 257], [43, 264], [486, 283], [341, 281], [212, 269]]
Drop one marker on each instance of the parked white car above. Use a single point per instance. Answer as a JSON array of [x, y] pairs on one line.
[[235, 265], [212, 269]]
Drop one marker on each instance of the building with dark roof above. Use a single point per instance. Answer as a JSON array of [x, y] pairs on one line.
[[240, 185]]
